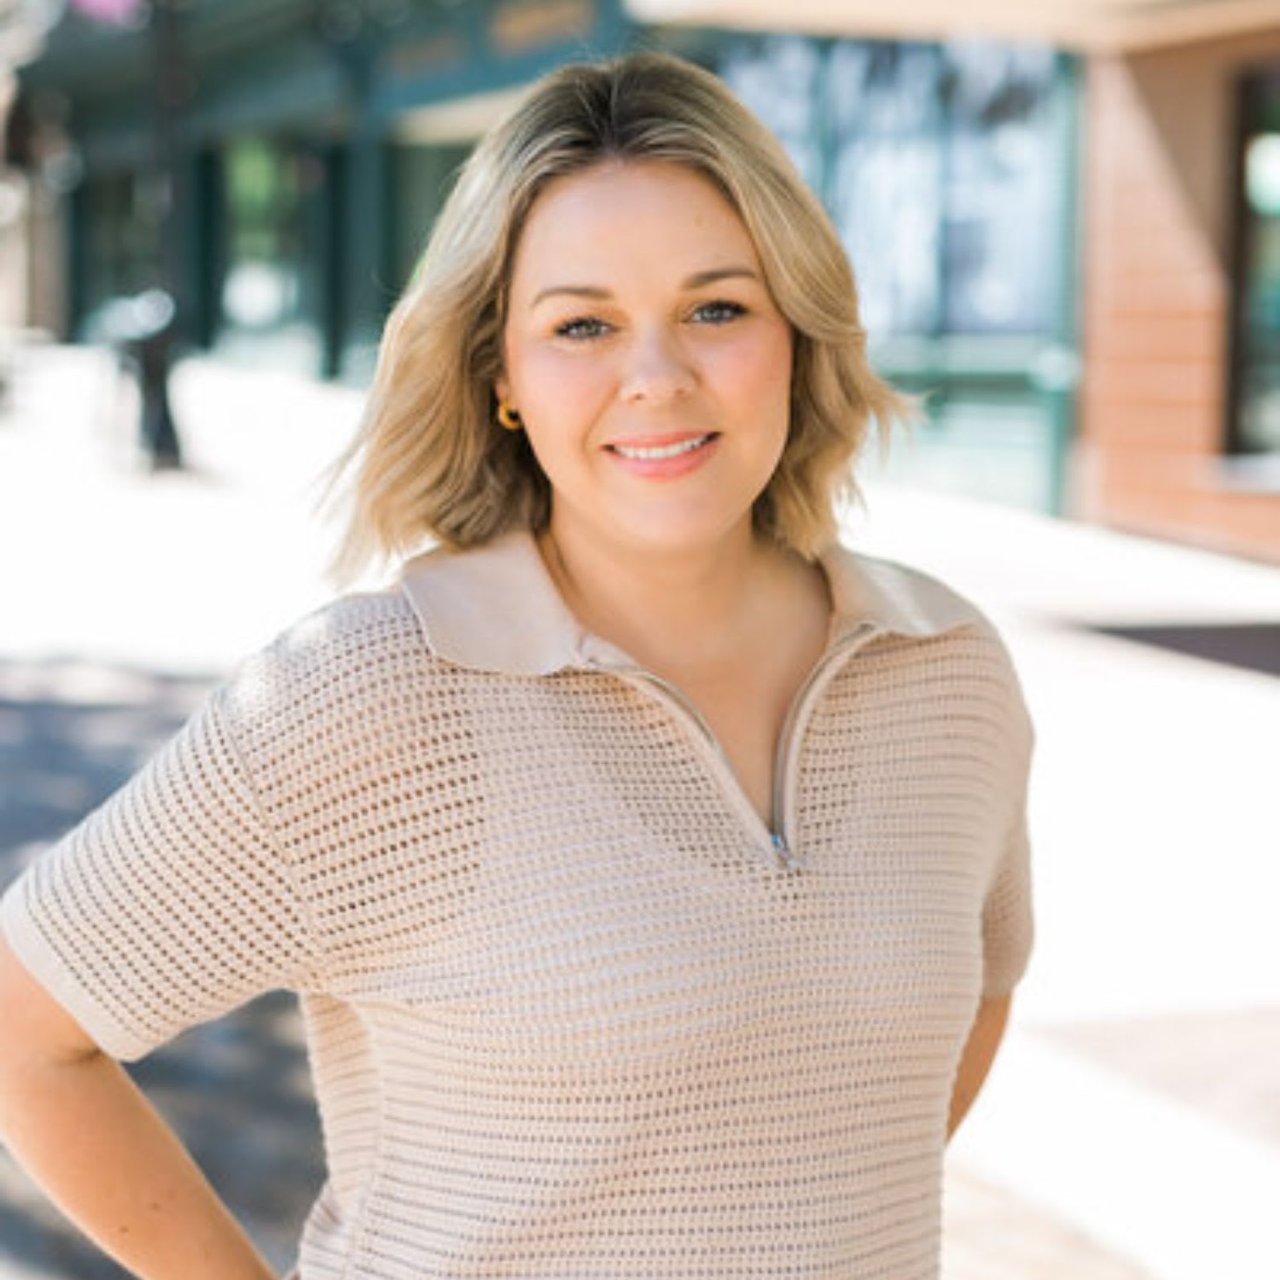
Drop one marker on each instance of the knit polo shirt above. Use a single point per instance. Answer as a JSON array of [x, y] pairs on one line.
[[574, 1012]]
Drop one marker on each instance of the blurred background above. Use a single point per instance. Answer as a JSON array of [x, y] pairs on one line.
[[1065, 220]]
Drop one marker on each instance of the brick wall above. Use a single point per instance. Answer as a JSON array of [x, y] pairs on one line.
[[1158, 199]]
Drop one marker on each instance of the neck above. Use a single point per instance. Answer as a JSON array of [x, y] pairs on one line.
[[672, 609]]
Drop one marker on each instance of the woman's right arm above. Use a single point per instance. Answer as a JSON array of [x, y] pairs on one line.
[[77, 1123]]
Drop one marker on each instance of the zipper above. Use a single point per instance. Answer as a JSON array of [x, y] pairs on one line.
[[776, 840], [855, 639]]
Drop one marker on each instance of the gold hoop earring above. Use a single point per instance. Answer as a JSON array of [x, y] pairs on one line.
[[508, 417]]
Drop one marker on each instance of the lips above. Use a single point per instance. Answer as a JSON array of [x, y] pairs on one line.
[[668, 445], [663, 457], [656, 452]]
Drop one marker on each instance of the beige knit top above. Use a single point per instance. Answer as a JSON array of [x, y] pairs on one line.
[[573, 1012]]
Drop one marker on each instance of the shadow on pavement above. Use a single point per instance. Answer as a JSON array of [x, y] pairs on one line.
[[70, 733], [236, 1091], [1253, 646]]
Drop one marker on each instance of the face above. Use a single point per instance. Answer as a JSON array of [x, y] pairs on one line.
[[646, 357]]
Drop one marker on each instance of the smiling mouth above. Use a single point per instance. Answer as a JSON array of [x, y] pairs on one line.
[[654, 452]]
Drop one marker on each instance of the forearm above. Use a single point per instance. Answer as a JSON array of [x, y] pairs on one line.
[[978, 1054], [86, 1133]]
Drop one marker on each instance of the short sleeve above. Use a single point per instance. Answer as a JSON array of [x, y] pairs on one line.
[[167, 906], [1007, 917]]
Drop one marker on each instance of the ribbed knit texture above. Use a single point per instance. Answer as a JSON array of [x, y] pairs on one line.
[[567, 1019]]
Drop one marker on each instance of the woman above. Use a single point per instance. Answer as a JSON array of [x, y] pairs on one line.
[[652, 869]]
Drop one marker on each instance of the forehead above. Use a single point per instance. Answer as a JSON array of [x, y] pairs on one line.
[[653, 209]]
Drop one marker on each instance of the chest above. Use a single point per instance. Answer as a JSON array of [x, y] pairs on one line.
[[746, 718], [748, 710], [749, 737], [581, 866]]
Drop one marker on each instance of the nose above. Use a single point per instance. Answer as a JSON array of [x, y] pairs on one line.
[[658, 369]]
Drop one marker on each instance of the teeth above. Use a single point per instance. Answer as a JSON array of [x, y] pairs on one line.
[[666, 451]]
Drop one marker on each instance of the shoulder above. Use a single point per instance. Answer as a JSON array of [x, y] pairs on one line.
[[896, 597], [927, 626], [330, 657]]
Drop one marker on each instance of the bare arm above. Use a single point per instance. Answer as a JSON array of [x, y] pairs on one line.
[[83, 1130], [979, 1052]]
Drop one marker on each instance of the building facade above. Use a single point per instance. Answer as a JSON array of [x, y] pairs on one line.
[[1180, 404], [278, 166]]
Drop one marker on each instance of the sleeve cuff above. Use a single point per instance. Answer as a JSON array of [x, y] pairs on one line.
[[46, 966]]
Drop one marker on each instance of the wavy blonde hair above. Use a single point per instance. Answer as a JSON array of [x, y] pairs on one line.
[[429, 461]]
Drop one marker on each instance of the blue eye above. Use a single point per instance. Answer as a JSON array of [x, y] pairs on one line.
[[719, 312], [581, 327]]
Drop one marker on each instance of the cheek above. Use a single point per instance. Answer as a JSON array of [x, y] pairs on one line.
[[558, 383], [756, 375], [560, 399]]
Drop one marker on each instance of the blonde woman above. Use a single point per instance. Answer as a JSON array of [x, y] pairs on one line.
[[651, 868]]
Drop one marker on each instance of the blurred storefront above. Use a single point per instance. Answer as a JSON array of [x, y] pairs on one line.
[[256, 158], [1177, 291], [303, 147], [949, 171]]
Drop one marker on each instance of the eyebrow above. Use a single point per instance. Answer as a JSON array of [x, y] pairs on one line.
[[698, 280]]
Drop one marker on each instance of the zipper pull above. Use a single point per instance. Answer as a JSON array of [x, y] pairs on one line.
[[786, 859]]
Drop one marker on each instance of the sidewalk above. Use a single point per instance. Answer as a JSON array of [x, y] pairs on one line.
[[1131, 1127]]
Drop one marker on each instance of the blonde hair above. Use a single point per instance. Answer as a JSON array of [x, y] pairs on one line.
[[429, 460]]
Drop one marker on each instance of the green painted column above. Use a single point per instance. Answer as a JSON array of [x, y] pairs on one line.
[[76, 289], [1057, 370], [201, 245], [367, 290], [327, 225]]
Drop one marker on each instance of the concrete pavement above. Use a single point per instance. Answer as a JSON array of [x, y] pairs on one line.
[[1131, 1127]]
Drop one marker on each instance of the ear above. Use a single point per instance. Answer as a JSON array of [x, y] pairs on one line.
[[502, 388]]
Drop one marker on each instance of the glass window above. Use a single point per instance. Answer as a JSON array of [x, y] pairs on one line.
[[887, 181], [1000, 226], [778, 78], [272, 255], [939, 165], [122, 255], [262, 287], [423, 175], [1258, 316]]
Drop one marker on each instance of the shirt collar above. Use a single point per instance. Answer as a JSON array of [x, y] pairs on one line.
[[497, 608]]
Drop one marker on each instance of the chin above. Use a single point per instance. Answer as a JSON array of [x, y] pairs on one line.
[[674, 536]]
